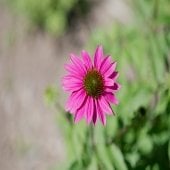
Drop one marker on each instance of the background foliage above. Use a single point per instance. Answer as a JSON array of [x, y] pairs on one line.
[[53, 16], [138, 137]]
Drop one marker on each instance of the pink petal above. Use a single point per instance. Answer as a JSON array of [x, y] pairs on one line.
[[75, 100], [90, 110], [114, 75], [69, 102], [86, 107], [110, 70], [78, 63], [116, 86], [73, 70], [95, 114], [82, 111], [68, 80], [70, 77], [105, 106], [86, 59], [109, 90], [107, 61], [108, 82], [79, 102], [102, 116], [98, 57], [72, 86], [111, 98], [113, 88], [79, 115]]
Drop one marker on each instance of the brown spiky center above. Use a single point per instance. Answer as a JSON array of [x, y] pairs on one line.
[[93, 83]]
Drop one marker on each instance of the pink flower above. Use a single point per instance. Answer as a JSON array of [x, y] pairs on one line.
[[92, 86]]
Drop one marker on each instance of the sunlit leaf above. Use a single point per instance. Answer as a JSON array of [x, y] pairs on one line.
[[118, 158]]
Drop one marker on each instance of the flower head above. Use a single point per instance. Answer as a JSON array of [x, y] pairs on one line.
[[92, 86]]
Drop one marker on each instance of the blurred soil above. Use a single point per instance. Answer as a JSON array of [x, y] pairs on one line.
[[29, 62]]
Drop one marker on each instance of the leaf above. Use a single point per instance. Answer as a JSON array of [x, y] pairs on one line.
[[132, 158], [55, 23], [75, 166], [156, 57], [118, 158], [112, 126], [50, 95], [101, 149], [103, 155], [169, 149], [93, 165], [145, 144]]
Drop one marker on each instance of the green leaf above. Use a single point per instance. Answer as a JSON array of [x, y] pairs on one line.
[[169, 149], [118, 158], [156, 57], [133, 158], [145, 144], [75, 166], [55, 23], [50, 95], [103, 155], [93, 165]]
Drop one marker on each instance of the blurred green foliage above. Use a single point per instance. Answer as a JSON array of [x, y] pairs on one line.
[[53, 16], [138, 137], [50, 96]]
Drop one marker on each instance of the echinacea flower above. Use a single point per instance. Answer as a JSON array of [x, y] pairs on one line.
[[92, 86]]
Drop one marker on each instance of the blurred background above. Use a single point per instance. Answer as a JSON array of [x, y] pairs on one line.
[[36, 37]]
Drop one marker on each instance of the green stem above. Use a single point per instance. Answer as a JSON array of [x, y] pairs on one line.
[[93, 145]]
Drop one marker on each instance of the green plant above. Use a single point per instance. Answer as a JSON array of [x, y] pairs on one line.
[[138, 137], [52, 16]]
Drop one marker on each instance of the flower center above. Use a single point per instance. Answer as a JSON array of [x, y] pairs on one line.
[[93, 83]]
